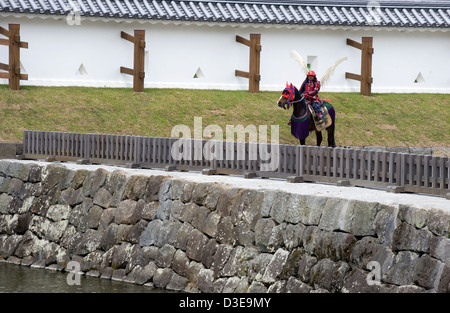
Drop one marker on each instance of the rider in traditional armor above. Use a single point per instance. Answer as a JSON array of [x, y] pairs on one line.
[[310, 90]]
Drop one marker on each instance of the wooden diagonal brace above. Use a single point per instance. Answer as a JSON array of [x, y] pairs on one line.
[[126, 36], [4, 66], [14, 76], [365, 78], [138, 69], [4, 31], [126, 70], [253, 74]]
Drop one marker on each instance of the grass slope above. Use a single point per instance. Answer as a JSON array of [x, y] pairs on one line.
[[382, 119]]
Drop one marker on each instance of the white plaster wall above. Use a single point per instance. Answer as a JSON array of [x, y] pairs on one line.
[[175, 52]]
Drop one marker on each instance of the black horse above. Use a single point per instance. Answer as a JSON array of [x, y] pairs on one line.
[[302, 120]]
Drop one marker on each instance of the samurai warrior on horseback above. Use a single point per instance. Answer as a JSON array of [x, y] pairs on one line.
[[310, 90]]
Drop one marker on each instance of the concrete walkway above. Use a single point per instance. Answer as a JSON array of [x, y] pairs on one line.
[[326, 190]]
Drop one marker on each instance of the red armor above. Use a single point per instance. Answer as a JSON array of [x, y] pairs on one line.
[[312, 88]]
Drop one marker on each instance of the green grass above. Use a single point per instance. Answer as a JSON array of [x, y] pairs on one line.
[[382, 119]]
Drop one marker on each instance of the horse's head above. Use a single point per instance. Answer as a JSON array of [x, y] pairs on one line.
[[287, 96]]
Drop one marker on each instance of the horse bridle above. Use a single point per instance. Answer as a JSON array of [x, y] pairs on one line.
[[291, 95]]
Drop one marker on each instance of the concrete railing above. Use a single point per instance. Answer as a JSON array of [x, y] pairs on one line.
[[395, 172]]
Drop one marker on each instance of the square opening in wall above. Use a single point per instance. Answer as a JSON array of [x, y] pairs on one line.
[[311, 62]]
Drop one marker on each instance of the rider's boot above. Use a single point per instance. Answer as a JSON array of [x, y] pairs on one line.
[[320, 117]]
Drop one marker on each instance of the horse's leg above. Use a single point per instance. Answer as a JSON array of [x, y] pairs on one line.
[[319, 137], [331, 142], [302, 142]]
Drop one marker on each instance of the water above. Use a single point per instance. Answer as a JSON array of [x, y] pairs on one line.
[[22, 279]]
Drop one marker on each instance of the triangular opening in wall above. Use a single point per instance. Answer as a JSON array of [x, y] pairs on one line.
[[22, 69], [199, 73], [419, 79], [81, 70]]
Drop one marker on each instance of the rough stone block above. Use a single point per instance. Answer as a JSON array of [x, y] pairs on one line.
[[413, 216], [135, 187], [135, 231], [195, 245], [103, 198], [312, 207], [52, 176], [200, 193], [329, 275], [121, 255], [226, 201], [311, 239], [90, 241], [225, 231], [263, 233], [335, 246], [357, 282], [210, 224], [294, 212], [356, 217], [368, 249], [385, 223], [150, 234], [180, 263], [205, 280], [431, 273], [440, 249], [257, 287], [58, 212], [214, 192], [279, 206], [9, 245], [221, 257], [164, 256], [177, 282], [5, 200], [247, 207], [109, 238], [401, 272], [293, 235], [439, 222], [233, 264], [275, 266], [407, 237], [127, 213], [294, 285], [208, 253]]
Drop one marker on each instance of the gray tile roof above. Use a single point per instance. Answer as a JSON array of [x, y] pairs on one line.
[[412, 13]]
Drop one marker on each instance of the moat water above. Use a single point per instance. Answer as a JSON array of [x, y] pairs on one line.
[[22, 279]]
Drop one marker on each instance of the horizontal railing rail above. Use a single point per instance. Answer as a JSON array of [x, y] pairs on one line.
[[393, 171]]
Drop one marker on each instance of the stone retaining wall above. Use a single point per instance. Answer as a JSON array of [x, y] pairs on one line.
[[202, 237]]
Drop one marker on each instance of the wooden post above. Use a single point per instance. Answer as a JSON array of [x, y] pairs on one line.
[[253, 74], [13, 67], [366, 47], [139, 52]]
